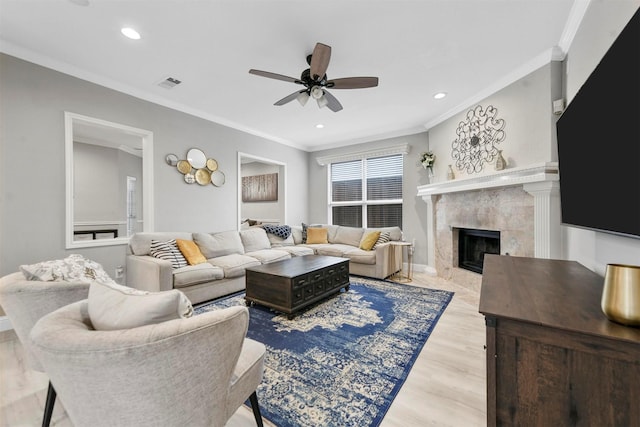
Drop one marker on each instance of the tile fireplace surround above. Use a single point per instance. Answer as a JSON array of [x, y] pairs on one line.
[[523, 203]]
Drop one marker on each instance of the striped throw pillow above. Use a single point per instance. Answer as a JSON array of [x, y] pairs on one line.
[[168, 251], [385, 236]]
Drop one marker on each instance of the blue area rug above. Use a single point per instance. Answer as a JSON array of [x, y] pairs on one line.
[[342, 361]]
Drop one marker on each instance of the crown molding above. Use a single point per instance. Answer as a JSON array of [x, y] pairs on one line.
[[359, 155]]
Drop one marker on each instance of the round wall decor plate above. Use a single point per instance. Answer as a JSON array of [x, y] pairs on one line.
[[203, 176], [212, 165], [171, 159], [184, 166], [189, 178], [197, 158], [217, 178]]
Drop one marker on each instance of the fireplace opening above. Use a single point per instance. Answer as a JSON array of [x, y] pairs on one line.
[[473, 245]]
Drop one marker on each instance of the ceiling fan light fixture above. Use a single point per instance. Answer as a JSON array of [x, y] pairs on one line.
[[302, 98], [322, 101], [317, 92]]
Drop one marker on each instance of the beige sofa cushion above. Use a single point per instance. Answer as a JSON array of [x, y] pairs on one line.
[[254, 239], [298, 250], [334, 249], [213, 245], [361, 256], [296, 233], [266, 256], [277, 242], [195, 274], [234, 265], [348, 236], [112, 306]]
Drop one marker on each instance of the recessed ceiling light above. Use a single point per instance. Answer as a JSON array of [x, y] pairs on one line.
[[80, 2], [440, 95], [319, 125], [131, 33]]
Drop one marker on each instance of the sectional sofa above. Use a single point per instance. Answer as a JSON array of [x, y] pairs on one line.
[[227, 254]]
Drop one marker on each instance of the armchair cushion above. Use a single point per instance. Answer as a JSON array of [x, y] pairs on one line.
[[112, 306]]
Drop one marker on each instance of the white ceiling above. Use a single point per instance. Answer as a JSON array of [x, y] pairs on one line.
[[467, 48]]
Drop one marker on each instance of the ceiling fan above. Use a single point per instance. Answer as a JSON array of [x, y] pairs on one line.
[[316, 83]]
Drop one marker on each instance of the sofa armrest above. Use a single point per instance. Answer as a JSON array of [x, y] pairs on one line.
[[148, 273], [383, 258]]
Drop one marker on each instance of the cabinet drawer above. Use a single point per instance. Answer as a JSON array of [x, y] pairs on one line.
[[308, 292], [297, 296], [300, 281]]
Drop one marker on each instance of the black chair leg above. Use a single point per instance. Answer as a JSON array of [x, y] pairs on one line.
[[48, 407], [256, 409]]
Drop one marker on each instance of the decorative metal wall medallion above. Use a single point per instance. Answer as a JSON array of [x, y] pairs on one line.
[[477, 139]]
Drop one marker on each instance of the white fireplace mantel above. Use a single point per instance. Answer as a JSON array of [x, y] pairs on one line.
[[540, 180], [505, 178]]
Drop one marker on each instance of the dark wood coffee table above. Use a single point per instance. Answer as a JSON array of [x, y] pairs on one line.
[[290, 285]]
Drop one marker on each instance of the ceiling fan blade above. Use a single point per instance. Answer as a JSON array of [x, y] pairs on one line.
[[320, 61], [353, 83], [289, 98], [274, 76], [332, 103]]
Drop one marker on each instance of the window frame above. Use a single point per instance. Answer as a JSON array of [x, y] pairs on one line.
[[364, 202]]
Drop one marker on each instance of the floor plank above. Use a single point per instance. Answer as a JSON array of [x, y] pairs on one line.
[[446, 386]]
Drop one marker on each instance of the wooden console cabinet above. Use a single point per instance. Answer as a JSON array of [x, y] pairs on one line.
[[553, 358]]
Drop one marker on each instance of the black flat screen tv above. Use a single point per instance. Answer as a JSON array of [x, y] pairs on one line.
[[599, 143]]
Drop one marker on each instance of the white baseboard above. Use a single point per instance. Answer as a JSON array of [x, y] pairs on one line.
[[5, 324], [422, 268]]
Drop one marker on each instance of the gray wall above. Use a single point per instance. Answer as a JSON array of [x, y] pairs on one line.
[[32, 163], [525, 106]]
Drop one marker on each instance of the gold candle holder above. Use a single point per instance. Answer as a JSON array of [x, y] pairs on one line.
[[621, 294]]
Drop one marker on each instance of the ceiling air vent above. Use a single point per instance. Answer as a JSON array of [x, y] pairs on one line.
[[169, 83]]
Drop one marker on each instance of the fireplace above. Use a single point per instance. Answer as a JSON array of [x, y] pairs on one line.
[[473, 244]]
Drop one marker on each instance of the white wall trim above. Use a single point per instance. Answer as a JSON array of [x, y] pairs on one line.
[[5, 324], [576, 15], [359, 155]]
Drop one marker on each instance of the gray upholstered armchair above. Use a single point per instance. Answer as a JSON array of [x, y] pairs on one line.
[[25, 302], [190, 371]]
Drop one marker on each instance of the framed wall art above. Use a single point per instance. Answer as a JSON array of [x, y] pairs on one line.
[[260, 188]]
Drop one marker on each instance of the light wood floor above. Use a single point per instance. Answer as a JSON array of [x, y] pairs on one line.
[[446, 386]]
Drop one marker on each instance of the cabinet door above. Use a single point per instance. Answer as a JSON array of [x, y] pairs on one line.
[[550, 377]]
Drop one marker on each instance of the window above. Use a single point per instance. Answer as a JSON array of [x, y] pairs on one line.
[[367, 192]]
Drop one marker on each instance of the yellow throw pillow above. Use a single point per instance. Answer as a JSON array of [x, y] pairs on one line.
[[317, 235], [369, 240], [191, 251]]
